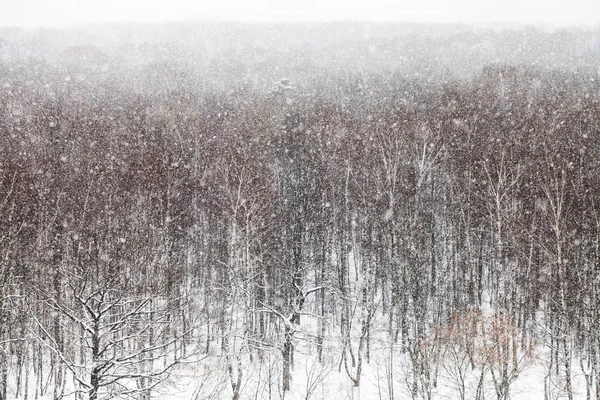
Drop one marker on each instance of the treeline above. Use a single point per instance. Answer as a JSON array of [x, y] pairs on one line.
[[376, 212], [203, 57]]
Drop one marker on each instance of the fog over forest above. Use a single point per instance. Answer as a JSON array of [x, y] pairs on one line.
[[325, 210]]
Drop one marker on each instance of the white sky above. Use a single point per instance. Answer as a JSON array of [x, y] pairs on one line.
[[68, 12]]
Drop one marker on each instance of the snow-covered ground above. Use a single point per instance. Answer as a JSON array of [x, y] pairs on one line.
[[381, 378]]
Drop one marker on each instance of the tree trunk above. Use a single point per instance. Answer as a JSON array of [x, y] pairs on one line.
[[287, 359]]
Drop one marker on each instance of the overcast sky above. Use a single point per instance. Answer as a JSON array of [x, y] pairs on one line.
[[70, 12]]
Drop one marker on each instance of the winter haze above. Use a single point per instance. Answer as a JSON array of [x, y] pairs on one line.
[[313, 200], [69, 12]]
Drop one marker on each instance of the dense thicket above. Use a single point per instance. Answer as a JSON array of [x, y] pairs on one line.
[[139, 226]]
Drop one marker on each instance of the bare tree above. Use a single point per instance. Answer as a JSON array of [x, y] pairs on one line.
[[126, 349]]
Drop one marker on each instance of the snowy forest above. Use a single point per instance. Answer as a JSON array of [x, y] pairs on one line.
[[299, 211]]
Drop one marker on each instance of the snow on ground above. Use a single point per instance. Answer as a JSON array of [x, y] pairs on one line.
[[380, 379]]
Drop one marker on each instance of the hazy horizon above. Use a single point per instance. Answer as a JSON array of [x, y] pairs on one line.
[[63, 13]]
